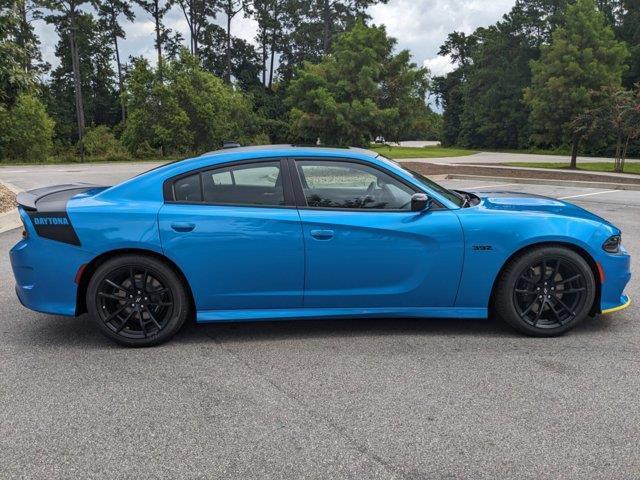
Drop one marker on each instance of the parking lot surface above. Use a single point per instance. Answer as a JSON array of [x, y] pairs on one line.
[[388, 399]]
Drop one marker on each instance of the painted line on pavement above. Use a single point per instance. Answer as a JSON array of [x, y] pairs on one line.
[[587, 194], [490, 186]]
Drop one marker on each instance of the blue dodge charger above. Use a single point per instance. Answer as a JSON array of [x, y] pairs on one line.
[[281, 232]]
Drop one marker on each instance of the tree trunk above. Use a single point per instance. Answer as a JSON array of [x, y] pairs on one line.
[[616, 161], [24, 25], [623, 157], [77, 83], [120, 81], [156, 17], [273, 54], [264, 57], [227, 68], [574, 152], [326, 20]]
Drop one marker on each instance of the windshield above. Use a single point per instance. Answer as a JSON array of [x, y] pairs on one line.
[[450, 195]]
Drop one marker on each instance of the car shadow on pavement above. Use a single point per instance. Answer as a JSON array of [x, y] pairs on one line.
[[81, 332]]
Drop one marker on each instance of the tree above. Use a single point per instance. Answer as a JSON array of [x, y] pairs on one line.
[[196, 13], [15, 76], [310, 26], [450, 89], [582, 57], [617, 112], [26, 38], [357, 91], [230, 8], [64, 14], [109, 12], [188, 110], [269, 15], [628, 30], [158, 9], [245, 61], [26, 130], [97, 79]]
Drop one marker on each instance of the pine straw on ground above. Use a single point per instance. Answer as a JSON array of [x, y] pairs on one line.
[[7, 199]]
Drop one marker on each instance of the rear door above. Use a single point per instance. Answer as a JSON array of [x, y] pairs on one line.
[[235, 232], [365, 247]]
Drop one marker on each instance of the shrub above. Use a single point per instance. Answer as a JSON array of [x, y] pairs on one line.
[[100, 143], [25, 131]]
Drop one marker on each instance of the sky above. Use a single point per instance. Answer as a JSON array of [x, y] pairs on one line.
[[420, 26]]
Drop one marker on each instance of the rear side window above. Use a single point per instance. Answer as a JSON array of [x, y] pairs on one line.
[[246, 184], [187, 189]]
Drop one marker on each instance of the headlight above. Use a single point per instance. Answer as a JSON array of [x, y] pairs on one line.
[[612, 244]]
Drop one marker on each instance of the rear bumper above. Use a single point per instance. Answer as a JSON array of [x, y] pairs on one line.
[[44, 271]]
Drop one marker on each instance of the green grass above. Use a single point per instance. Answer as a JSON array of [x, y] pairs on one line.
[[68, 159], [423, 152], [631, 167]]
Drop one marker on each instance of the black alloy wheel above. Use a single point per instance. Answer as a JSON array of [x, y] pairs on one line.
[[545, 291], [137, 301]]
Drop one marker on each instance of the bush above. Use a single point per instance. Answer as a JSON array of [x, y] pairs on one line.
[[26, 131], [100, 143]]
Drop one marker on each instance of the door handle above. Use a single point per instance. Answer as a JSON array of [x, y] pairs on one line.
[[183, 226], [322, 234]]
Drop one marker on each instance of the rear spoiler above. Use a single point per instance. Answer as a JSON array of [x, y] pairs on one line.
[[47, 209], [59, 195]]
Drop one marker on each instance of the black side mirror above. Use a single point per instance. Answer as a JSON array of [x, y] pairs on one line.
[[420, 202]]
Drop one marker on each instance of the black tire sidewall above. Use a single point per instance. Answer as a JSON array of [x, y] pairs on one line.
[[504, 301], [180, 299]]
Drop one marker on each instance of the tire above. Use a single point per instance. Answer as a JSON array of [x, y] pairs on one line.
[[549, 305], [137, 300]]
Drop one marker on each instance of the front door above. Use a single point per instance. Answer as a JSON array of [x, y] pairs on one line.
[[236, 236], [366, 248]]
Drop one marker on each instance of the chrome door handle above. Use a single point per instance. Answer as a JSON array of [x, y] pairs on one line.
[[322, 234], [183, 226]]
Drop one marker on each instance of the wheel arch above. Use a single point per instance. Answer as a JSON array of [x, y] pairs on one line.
[[571, 246], [91, 267]]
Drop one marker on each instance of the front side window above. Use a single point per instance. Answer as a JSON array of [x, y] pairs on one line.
[[338, 184], [245, 184]]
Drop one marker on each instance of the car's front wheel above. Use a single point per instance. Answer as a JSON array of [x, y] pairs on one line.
[[545, 291], [137, 300]]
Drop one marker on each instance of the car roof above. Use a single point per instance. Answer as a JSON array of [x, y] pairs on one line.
[[289, 147]]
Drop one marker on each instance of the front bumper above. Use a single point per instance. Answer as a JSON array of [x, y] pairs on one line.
[[617, 273]]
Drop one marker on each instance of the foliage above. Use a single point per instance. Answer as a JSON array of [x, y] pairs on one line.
[[617, 111], [631, 167], [362, 89], [26, 129], [101, 143], [97, 79], [423, 152], [582, 57], [186, 110]]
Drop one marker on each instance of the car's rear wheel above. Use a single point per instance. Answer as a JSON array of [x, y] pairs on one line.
[[137, 300], [545, 291]]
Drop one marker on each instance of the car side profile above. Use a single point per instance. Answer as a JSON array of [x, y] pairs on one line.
[[286, 232]]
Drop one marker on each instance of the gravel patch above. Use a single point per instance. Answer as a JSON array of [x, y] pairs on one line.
[[7, 199], [430, 169]]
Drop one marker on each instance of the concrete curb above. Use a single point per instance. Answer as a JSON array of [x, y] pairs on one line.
[[11, 219], [547, 181]]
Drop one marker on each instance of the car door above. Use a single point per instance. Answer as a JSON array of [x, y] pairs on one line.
[[364, 245], [235, 232]]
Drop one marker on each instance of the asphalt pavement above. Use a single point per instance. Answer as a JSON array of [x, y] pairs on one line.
[[357, 399]]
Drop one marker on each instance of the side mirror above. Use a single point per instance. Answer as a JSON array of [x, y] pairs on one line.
[[420, 202]]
